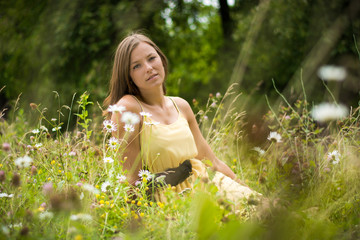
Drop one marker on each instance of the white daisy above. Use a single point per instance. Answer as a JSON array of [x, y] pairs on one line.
[[113, 142], [38, 145], [137, 183], [332, 73], [105, 185], [129, 128], [116, 108], [328, 111], [44, 128], [334, 156], [6, 195], [17, 225], [160, 179], [56, 129], [81, 216], [45, 215], [145, 114], [109, 126], [274, 136], [130, 118], [23, 162], [35, 131], [108, 160], [145, 174], [259, 150], [90, 188], [121, 178]]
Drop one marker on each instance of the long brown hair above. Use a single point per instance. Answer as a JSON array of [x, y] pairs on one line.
[[121, 82]]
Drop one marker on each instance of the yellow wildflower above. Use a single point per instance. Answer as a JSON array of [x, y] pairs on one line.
[[139, 203], [41, 209], [78, 237]]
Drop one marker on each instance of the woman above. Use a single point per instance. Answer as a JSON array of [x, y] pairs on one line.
[[168, 133]]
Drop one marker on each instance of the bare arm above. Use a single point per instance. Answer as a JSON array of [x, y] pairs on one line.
[[132, 161], [204, 150]]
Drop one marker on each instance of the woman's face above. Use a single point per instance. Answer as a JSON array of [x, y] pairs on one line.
[[146, 68]]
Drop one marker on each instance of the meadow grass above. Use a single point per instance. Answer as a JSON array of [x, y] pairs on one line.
[[58, 184]]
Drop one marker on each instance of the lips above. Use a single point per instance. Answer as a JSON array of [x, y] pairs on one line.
[[152, 77]]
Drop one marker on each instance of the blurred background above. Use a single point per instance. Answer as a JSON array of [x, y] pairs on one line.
[[68, 46]]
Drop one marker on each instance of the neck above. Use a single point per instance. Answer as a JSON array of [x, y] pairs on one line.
[[154, 98]]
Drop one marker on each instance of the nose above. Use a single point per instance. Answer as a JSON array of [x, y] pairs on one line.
[[149, 67]]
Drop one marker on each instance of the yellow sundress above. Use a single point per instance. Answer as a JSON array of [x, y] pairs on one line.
[[166, 146]]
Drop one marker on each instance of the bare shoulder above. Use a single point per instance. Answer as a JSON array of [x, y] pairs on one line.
[[130, 104], [184, 107]]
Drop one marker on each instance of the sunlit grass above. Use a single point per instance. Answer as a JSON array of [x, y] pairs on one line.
[[70, 188]]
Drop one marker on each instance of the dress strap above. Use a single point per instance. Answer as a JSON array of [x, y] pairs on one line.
[[142, 109], [176, 106]]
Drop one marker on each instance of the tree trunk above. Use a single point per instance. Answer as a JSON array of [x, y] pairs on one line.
[[226, 21]]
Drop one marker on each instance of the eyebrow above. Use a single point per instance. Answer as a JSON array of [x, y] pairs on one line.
[[139, 60]]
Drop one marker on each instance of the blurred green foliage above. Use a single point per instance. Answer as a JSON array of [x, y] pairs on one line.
[[68, 46]]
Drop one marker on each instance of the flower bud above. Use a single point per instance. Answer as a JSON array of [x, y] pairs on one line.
[[15, 181], [33, 106], [33, 170], [24, 231], [47, 188], [6, 147], [2, 176]]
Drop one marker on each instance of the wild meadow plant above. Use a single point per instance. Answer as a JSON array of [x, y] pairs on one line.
[[58, 184]]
